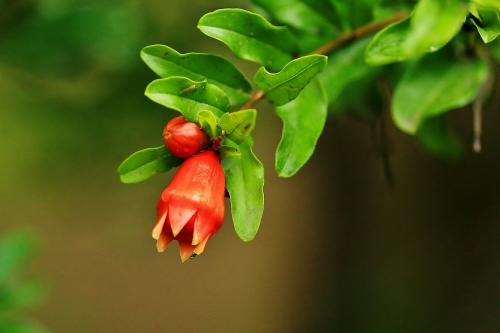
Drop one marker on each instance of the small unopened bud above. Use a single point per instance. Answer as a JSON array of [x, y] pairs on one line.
[[184, 139]]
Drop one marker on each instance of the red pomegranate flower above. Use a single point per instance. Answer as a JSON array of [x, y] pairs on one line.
[[183, 138], [191, 208]]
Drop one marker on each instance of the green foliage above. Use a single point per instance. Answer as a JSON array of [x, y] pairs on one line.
[[354, 13], [17, 326], [245, 184], [303, 122], [145, 163], [387, 45], [314, 17], [434, 64], [313, 22], [433, 24], [16, 249], [250, 36], [229, 149], [21, 295], [16, 293], [283, 87], [238, 125], [208, 122], [167, 62], [344, 67], [420, 95], [188, 97], [486, 19]]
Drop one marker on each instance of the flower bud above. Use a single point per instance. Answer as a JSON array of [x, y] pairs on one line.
[[191, 208], [183, 138]]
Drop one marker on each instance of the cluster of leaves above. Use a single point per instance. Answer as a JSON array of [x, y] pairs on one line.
[[284, 38], [16, 294]]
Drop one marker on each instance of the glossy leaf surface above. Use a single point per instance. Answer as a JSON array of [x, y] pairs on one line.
[[245, 184], [238, 125], [145, 163], [433, 86], [188, 97], [250, 36], [283, 87], [167, 62], [303, 122]]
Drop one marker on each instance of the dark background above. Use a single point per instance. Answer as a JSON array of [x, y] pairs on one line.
[[339, 249]]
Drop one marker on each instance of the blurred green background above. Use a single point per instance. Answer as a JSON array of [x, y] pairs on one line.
[[339, 249]]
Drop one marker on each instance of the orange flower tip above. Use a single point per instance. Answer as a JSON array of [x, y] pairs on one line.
[[163, 241], [159, 226], [201, 247], [200, 230], [196, 239], [186, 251], [160, 248], [185, 258]]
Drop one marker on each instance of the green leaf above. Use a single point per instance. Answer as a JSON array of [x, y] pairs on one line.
[[312, 22], [11, 326], [283, 87], [433, 24], [386, 8], [16, 248], [21, 295], [385, 47], [167, 62], [208, 122], [315, 17], [487, 22], [437, 139], [353, 13], [188, 97], [433, 86], [145, 163], [229, 149], [238, 125], [345, 66], [303, 122], [245, 184], [487, 3], [250, 36]]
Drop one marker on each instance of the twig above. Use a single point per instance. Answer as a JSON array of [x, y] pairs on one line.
[[254, 98], [357, 34], [477, 107], [334, 44]]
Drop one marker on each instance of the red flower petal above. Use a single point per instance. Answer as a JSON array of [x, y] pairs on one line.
[[164, 239], [159, 226], [186, 250], [201, 247], [179, 213]]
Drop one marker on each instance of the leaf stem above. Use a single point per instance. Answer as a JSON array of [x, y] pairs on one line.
[[334, 44], [254, 98]]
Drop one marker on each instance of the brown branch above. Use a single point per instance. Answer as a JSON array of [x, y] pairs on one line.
[[254, 98], [357, 34], [334, 44]]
